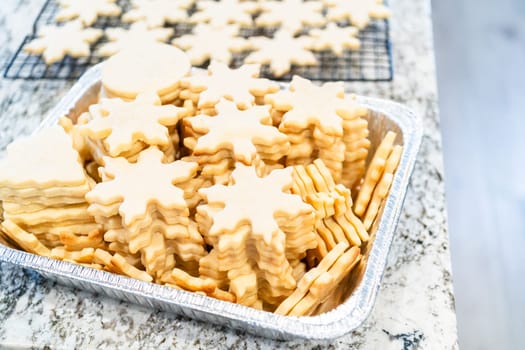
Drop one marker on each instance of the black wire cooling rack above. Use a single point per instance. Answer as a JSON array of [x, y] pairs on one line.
[[373, 62]]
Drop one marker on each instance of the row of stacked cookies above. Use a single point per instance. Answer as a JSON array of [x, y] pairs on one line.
[[217, 34], [218, 209]]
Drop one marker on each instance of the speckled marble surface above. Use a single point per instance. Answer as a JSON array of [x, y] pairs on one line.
[[415, 305]]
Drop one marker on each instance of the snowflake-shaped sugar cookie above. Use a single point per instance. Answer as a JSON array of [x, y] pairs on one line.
[[138, 33], [211, 42], [219, 13], [156, 13], [308, 105], [236, 130], [242, 204], [121, 124], [291, 15], [334, 38], [357, 12], [280, 52], [54, 42], [86, 11], [138, 185], [239, 85]]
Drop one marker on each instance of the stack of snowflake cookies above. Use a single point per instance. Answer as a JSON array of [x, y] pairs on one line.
[[277, 33], [237, 189]]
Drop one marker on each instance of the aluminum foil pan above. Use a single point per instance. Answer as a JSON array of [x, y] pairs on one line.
[[363, 285]]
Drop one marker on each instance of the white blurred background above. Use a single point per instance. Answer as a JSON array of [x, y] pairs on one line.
[[480, 53]]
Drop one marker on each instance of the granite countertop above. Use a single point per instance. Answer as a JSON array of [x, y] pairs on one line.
[[415, 305]]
